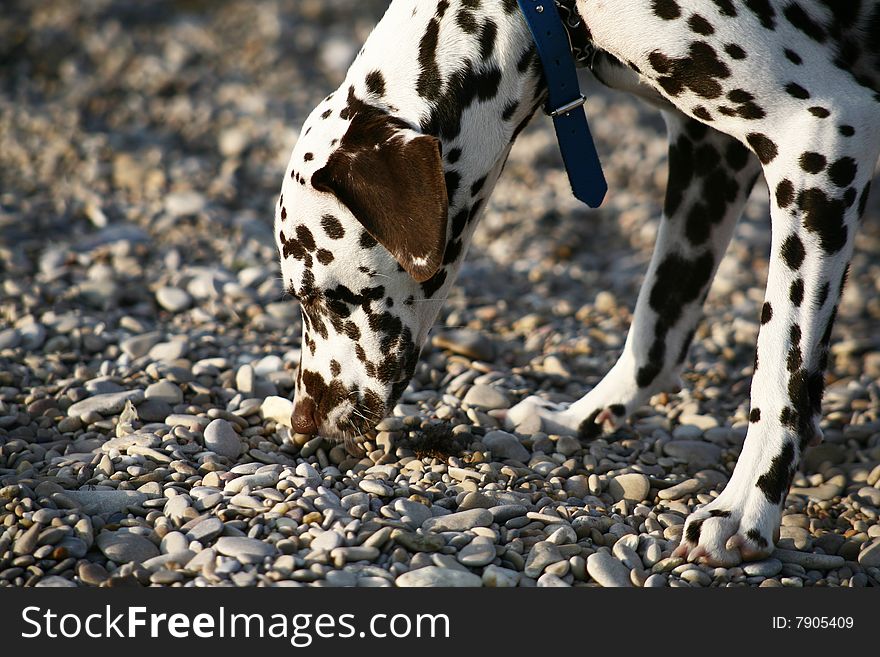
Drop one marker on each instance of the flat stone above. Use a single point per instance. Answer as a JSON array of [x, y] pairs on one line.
[[633, 487], [459, 522], [206, 531], [139, 346], [607, 571], [55, 581], [375, 487], [107, 501], [479, 552], [222, 439], [164, 391], [329, 540], [505, 445], [765, 568], [466, 342], [248, 550], [869, 556], [106, 404], [696, 453], [486, 397], [810, 560], [497, 577], [434, 576], [173, 299], [827, 491], [278, 409], [416, 512], [540, 556], [169, 351], [683, 489], [122, 547]]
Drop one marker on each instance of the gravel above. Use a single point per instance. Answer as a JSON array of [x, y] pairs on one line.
[[148, 353]]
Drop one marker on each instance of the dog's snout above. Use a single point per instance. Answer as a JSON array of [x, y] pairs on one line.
[[303, 419]]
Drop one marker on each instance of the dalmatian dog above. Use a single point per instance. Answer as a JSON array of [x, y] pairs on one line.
[[387, 182]]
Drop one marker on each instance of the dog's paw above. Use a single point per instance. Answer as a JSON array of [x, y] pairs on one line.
[[534, 414], [720, 534]]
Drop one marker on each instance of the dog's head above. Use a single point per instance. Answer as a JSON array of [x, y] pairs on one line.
[[361, 227]]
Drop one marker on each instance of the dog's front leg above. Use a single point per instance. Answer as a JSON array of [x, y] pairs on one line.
[[710, 178]]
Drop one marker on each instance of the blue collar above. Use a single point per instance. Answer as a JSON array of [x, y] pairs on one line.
[[565, 101]]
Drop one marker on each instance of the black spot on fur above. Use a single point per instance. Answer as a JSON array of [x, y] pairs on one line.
[[700, 25], [699, 71], [735, 51], [755, 415], [843, 171], [793, 57], [692, 533], [376, 83], [333, 227], [666, 9], [679, 281], [796, 91], [618, 410], [812, 162], [820, 112], [763, 146], [763, 10], [755, 537], [725, 7], [766, 312], [784, 193], [793, 252], [796, 15], [824, 216], [775, 482]]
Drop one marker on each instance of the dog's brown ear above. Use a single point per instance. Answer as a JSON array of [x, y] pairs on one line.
[[391, 178]]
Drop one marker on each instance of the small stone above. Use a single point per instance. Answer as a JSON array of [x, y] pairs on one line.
[[92, 574], [173, 299], [106, 404], [607, 571], [139, 346], [329, 540], [869, 557], [434, 576], [540, 556], [505, 445], [417, 513], [107, 501], [765, 568], [479, 552], [222, 439], [486, 397], [375, 487], [810, 560], [55, 581], [459, 522], [683, 489], [246, 550], [468, 343], [497, 577], [696, 453], [122, 547], [164, 391], [206, 531], [278, 409], [633, 487], [26, 543]]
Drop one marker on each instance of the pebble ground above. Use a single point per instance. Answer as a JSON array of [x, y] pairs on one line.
[[147, 351]]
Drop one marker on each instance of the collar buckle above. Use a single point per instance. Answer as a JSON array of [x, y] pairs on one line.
[[568, 107]]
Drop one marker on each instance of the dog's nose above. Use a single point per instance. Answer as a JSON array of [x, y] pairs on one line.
[[303, 418]]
